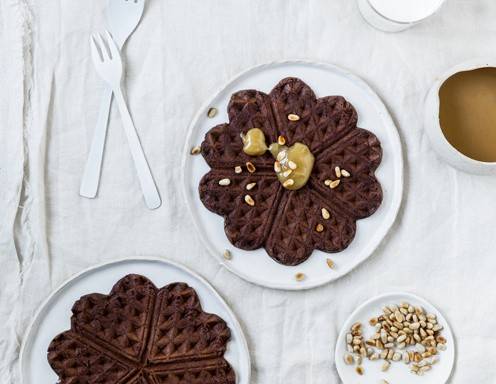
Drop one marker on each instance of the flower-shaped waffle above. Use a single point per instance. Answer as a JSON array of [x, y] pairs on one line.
[[139, 334], [290, 224]]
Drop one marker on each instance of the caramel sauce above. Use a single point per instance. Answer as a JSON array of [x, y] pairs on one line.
[[467, 113], [293, 164], [254, 142]]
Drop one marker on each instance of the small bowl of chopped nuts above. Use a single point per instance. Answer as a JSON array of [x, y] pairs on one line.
[[395, 338]]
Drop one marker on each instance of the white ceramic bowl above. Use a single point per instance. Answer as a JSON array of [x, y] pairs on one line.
[[399, 372], [433, 128], [376, 17]]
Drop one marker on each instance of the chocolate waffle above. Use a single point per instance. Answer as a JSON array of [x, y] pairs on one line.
[[284, 222], [139, 334]]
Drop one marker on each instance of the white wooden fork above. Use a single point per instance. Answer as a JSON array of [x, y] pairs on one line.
[[108, 64]]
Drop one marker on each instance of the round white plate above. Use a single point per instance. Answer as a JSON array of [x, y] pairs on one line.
[[256, 266], [398, 372], [54, 315]]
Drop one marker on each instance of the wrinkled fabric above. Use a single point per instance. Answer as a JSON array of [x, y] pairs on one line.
[[441, 246]]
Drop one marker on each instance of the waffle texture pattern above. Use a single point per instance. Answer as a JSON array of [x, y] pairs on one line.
[[139, 334], [284, 221]]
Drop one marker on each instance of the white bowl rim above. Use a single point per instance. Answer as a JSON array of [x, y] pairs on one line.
[[408, 23]]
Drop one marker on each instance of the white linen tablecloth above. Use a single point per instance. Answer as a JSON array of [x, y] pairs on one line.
[[442, 246]]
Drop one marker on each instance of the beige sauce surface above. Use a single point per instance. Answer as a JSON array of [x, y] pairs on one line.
[[468, 113]]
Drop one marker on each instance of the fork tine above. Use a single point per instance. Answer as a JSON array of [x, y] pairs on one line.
[[103, 48], [95, 52], [114, 51]]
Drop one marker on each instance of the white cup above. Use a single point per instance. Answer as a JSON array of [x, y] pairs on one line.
[[397, 15], [433, 128]]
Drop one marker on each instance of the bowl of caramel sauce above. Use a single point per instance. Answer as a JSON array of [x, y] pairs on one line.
[[460, 117]]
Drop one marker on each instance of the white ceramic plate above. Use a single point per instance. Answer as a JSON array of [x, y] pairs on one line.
[[256, 266], [54, 315], [398, 372]]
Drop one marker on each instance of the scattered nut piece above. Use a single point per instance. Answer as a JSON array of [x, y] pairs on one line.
[[292, 165], [227, 254], [300, 276], [414, 326], [360, 370], [356, 327], [349, 338], [425, 368], [196, 150], [281, 140], [281, 156], [327, 182], [325, 214], [249, 200], [337, 170], [374, 321], [319, 228], [334, 184], [287, 173], [348, 359], [330, 263], [288, 183], [224, 182], [250, 167], [250, 186], [399, 317], [441, 340], [385, 366], [238, 169], [345, 173], [212, 112], [277, 167], [293, 117]]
